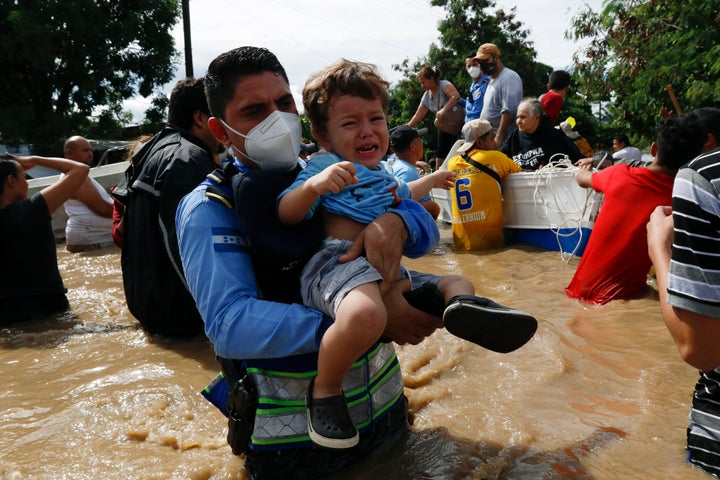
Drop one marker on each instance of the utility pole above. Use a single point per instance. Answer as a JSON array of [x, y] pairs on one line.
[[188, 41]]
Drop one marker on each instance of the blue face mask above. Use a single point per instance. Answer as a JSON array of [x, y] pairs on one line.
[[272, 144]]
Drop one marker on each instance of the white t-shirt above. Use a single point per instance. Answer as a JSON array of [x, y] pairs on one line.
[[503, 94], [85, 227], [627, 153]]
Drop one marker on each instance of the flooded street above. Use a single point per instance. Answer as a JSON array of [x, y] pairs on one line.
[[599, 393]]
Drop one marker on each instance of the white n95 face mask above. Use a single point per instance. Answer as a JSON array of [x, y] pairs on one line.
[[274, 143], [474, 71]]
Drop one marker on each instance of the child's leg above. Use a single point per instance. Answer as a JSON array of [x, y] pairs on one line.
[[482, 321], [453, 285], [359, 322]]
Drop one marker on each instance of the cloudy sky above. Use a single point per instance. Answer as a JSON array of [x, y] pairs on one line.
[[307, 35]]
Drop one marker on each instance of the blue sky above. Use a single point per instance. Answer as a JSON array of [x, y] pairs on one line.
[[308, 35]]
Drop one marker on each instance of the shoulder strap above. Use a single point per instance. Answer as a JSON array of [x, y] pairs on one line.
[[219, 187], [483, 168]]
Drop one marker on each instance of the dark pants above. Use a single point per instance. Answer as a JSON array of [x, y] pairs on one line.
[[445, 141], [24, 309], [314, 462]]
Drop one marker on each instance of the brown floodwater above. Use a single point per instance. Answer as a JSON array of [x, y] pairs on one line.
[[599, 393]]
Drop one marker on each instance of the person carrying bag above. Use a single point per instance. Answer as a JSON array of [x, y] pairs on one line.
[[452, 119], [438, 95]]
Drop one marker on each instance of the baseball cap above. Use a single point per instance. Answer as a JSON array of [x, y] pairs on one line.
[[487, 49], [472, 130], [402, 135]]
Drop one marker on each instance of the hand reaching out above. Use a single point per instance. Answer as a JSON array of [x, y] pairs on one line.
[[444, 179]]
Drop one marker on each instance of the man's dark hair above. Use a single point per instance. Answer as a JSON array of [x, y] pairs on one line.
[[709, 119], [227, 68], [679, 140], [558, 80], [187, 97], [7, 167], [623, 139]]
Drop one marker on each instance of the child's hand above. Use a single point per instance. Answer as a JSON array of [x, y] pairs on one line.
[[334, 178], [444, 179]]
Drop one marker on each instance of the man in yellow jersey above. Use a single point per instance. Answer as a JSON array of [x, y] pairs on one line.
[[477, 213]]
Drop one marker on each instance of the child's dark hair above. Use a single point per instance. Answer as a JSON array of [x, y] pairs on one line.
[[679, 140], [558, 80], [346, 77]]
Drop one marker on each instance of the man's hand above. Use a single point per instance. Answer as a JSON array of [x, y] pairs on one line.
[[584, 162], [383, 242], [406, 324], [423, 167]]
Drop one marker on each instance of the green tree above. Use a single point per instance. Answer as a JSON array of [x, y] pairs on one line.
[[156, 115], [62, 59], [467, 25], [636, 48]]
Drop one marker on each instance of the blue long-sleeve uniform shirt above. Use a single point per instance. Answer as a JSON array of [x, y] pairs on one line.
[[219, 274]]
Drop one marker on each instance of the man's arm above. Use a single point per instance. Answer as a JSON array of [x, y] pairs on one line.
[[583, 176], [220, 276], [57, 193], [505, 122], [88, 194], [696, 336]]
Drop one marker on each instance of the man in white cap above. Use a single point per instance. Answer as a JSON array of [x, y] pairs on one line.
[[503, 93], [477, 216]]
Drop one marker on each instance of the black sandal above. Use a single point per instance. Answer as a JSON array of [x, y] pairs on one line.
[[329, 423], [488, 324]]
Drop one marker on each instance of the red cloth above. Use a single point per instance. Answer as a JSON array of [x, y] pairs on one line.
[[552, 103], [615, 263], [118, 211]]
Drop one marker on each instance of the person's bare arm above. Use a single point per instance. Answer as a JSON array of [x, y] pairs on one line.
[[452, 95], [419, 115], [696, 336], [88, 194], [505, 122], [57, 193], [583, 176], [439, 179], [295, 204]]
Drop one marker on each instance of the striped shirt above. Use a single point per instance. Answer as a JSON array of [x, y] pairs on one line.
[[694, 285]]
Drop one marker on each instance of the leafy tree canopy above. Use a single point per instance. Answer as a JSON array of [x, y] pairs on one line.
[[61, 59], [638, 47], [466, 25]]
